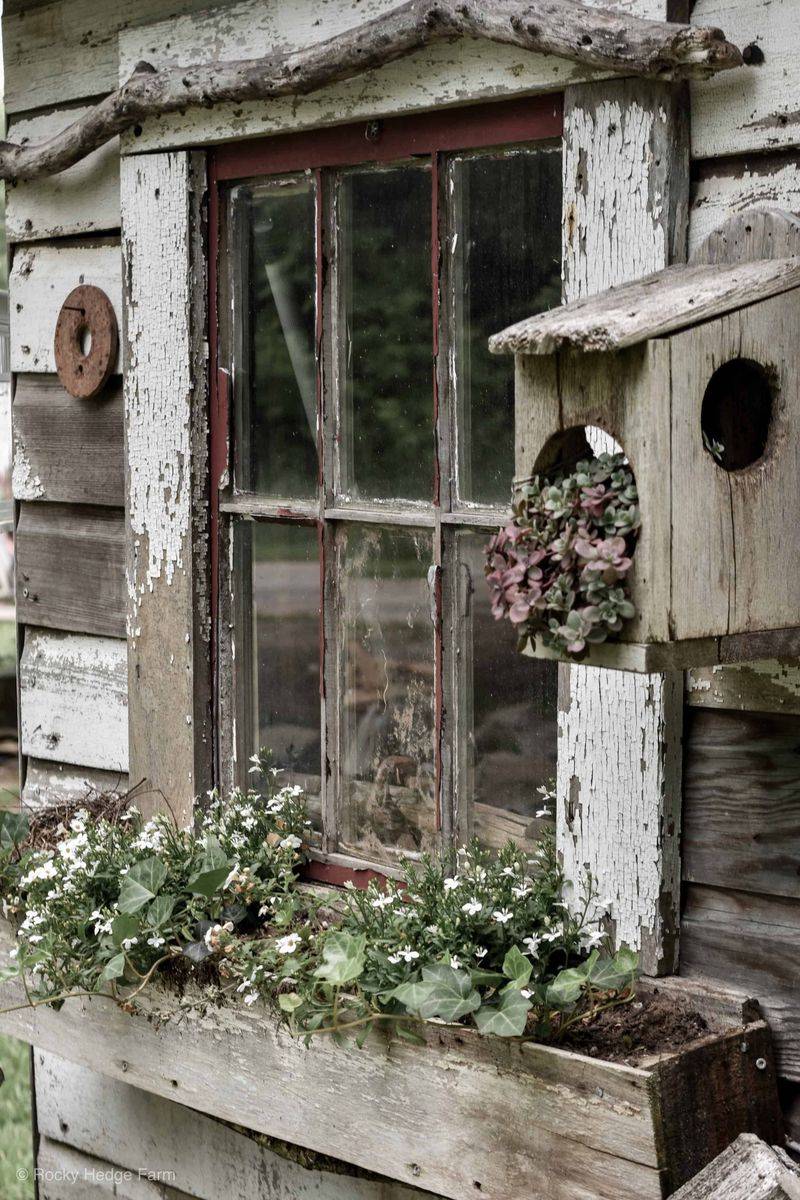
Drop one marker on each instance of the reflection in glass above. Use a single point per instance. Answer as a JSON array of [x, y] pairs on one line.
[[505, 264], [275, 379], [385, 333], [509, 712], [286, 610], [386, 739]]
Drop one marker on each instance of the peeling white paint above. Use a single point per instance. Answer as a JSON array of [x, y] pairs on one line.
[[25, 483], [158, 379]]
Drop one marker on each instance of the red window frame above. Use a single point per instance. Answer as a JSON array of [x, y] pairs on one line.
[[476, 127]]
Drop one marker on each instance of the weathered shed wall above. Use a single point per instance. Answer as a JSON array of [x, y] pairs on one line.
[[741, 912]]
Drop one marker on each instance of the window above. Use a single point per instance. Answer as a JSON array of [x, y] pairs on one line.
[[358, 274]]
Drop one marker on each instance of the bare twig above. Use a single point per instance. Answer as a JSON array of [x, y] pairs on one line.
[[598, 38]]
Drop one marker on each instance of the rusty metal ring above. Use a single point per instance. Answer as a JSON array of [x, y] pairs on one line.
[[86, 342]]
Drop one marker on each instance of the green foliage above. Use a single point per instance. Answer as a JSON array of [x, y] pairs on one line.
[[16, 1135], [557, 570], [482, 938]]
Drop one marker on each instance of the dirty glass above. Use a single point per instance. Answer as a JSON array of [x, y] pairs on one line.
[[275, 376], [504, 264], [384, 333], [508, 711], [386, 733], [286, 651]]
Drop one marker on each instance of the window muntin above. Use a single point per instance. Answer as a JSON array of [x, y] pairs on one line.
[[426, 731]]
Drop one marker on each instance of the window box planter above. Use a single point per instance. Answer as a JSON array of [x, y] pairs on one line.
[[461, 1116]]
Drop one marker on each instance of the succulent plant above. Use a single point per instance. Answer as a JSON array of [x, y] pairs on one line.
[[557, 569]]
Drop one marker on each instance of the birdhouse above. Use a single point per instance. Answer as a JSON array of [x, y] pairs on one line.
[[695, 373]]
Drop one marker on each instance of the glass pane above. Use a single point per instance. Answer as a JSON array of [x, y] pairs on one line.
[[508, 713], [275, 376], [386, 735], [505, 251], [385, 333], [286, 636]]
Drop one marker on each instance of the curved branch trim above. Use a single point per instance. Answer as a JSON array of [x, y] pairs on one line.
[[595, 37]]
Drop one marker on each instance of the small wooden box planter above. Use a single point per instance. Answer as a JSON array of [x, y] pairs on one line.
[[461, 1116], [695, 373]]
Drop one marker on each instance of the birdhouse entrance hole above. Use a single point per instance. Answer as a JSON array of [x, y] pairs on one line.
[[737, 412]]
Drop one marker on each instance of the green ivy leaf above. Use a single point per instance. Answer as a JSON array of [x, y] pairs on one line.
[[214, 869], [482, 978], [412, 995], [507, 1018], [196, 952], [160, 911], [289, 1001], [617, 973], [13, 829], [141, 884], [443, 992], [343, 958], [114, 968], [123, 926], [517, 967], [567, 986]]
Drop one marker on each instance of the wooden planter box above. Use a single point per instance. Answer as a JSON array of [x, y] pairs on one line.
[[462, 1116]]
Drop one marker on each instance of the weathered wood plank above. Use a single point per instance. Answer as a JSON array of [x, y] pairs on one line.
[[770, 685], [166, 388], [74, 699], [66, 1173], [70, 563], [620, 735], [723, 187], [750, 943], [42, 276], [133, 1129], [49, 783], [56, 52], [83, 199], [741, 811], [65, 449], [758, 108], [747, 1170]]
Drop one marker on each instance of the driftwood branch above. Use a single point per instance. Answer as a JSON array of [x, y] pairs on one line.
[[597, 38]]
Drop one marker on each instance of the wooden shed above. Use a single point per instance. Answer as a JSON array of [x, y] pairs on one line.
[[257, 251]]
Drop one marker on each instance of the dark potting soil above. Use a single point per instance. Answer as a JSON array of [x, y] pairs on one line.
[[653, 1023]]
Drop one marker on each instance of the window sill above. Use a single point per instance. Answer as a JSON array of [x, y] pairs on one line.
[[461, 1116]]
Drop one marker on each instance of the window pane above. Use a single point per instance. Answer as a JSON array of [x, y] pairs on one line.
[[385, 334], [505, 264], [386, 736], [286, 603], [275, 375], [508, 715]]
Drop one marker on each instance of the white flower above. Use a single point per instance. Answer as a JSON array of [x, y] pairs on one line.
[[128, 942], [35, 938], [156, 941], [251, 998], [591, 939], [232, 874], [432, 929], [288, 944], [542, 812], [502, 916], [472, 908], [525, 993], [384, 901], [532, 945], [451, 884], [406, 953], [522, 891], [481, 952], [508, 871], [551, 936], [292, 842], [455, 962]]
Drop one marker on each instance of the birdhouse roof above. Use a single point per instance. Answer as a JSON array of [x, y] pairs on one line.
[[666, 302]]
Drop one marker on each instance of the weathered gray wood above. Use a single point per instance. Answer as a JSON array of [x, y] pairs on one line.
[[770, 685], [49, 783], [82, 200], [741, 814], [166, 432], [458, 1115], [67, 449], [41, 278], [133, 1129], [750, 943], [751, 236], [747, 1170], [597, 38], [74, 699], [661, 303], [70, 562], [619, 749], [724, 187]]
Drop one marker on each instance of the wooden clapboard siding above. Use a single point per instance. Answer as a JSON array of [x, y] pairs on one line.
[[757, 107], [751, 944], [466, 70], [67, 49], [770, 686], [42, 276], [110, 1120], [49, 783], [74, 699], [81, 200], [66, 1173], [741, 825], [67, 450], [70, 562], [724, 187]]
